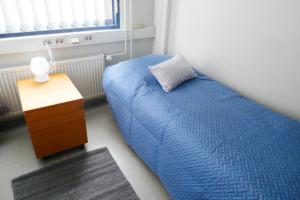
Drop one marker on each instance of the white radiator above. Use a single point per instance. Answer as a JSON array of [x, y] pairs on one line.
[[86, 74]]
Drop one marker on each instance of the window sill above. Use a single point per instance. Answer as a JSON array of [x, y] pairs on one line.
[[35, 43]]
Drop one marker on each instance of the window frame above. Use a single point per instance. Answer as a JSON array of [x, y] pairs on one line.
[[116, 25]]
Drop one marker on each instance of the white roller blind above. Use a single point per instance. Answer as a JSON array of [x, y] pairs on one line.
[[78, 13], [108, 9], [26, 15], [40, 15], [53, 12], [100, 12], [90, 16], [66, 13], [11, 16], [2, 21]]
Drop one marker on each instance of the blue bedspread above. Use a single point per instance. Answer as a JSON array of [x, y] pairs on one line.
[[204, 140]]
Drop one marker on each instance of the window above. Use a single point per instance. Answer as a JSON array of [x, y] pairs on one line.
[[34, 17]]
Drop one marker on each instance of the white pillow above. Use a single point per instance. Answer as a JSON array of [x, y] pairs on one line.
[[172, 72]]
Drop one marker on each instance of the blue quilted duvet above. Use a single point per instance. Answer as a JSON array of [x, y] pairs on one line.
[[204, 140]]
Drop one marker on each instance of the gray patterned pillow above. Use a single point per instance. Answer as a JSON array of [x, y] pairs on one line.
[[172, 72]]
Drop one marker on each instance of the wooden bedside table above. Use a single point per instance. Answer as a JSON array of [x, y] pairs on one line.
[[54, 114]]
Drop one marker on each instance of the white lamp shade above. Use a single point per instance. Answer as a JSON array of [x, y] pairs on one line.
[[40, 67]]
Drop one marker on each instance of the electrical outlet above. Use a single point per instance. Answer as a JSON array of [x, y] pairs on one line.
[[88, 38]]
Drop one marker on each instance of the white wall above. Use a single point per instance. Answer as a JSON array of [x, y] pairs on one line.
[[161, 21], [142, 13], [140, 47], [252, 46]]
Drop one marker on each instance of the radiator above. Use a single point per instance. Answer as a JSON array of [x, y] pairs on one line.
[[86, 74]]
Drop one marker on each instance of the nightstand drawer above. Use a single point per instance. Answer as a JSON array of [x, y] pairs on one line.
[[52, 111], [55, 121], [54, 114], [59, 138]]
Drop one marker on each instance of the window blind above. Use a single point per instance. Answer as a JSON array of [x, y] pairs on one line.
[[40, 15]]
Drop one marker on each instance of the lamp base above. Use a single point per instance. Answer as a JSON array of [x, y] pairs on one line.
[[41, 78]]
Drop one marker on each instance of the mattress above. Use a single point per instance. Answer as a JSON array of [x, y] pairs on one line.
[[204, 140]]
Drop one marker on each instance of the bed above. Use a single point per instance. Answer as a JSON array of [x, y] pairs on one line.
[[203, 140]]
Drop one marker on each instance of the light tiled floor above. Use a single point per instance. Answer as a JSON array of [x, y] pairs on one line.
[[17, 155]]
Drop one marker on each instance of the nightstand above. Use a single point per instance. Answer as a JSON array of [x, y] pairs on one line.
[[54, 114]]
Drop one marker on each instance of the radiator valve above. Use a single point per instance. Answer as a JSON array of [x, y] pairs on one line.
[[108, 57]]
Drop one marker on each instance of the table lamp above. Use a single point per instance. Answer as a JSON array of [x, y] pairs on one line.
[[40, 68]]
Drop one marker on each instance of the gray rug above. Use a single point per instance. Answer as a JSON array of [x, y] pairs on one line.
[[92, 175]]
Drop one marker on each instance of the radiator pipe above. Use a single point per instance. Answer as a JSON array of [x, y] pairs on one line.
[[109, 57]]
